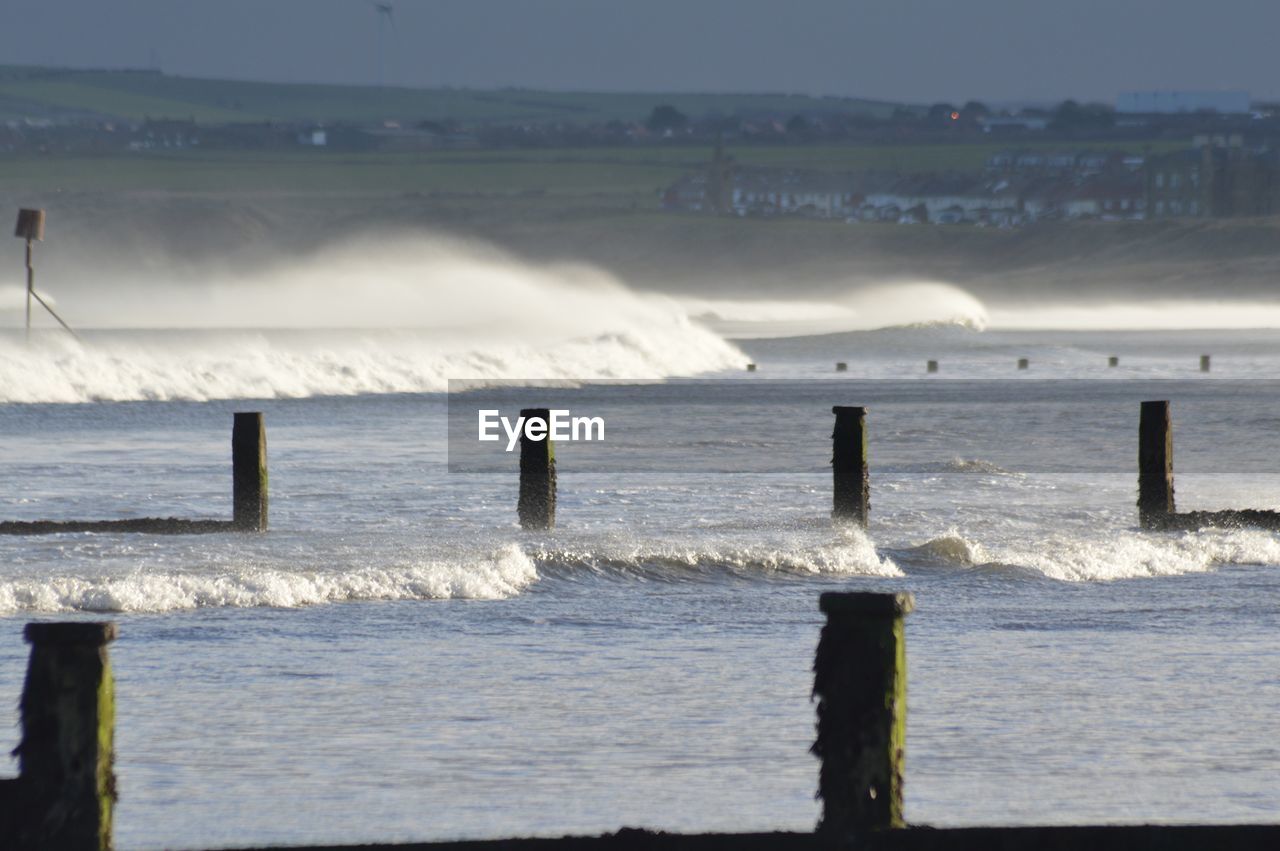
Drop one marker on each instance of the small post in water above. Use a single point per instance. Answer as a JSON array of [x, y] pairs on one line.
[[1204, 363], [1113, 361], [931, 366], [860, 682], [751, 367], [249, 472], [1155, 465], [537, 506], [66, 787], [30, 227], [841, 366], [1024, 363], [852, 480]]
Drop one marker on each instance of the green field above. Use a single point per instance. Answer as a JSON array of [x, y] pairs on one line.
[[629, 175], [142, 94]]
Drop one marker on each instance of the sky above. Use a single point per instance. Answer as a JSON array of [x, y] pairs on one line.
[[902, 50]]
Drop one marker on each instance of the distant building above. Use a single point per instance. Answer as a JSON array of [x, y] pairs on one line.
[[1170, 103], [1213, 180]]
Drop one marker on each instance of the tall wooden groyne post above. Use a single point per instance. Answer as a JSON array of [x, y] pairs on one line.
[[65, 791], [1155, 465], [537, 505], [249, 472], [860, 681], [852, 481]]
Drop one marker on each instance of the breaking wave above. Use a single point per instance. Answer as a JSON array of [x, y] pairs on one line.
[[502, 574], [409, 317], [1124, 555]]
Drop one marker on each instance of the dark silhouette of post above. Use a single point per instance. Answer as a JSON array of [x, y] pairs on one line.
[[1204, 363], [852, 481], [1155, 465], [841, 366], [860, 682], [931, 366], [751, 367], [30, 227], [1024, 363], [65, 791], [537, 505], [249, 472], [1113, 361]]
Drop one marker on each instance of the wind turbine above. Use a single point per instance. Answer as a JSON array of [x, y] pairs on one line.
[[386, 18]]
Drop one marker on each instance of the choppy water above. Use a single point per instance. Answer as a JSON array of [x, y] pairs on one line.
[[396, 659]]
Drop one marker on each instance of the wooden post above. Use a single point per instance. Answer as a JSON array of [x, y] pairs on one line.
[[860, 681], [537, 506], [1024, 363], [1204, 363], [852, 481], [751, 367], [1113, 361], [841, 366], [65, 791], [249, 472], [931, 366], [1155, 465]]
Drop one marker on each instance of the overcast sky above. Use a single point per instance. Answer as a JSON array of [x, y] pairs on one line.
[[914, 50]]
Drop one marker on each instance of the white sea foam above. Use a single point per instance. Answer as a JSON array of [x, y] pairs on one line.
[[413, 316], [499, 575], [853, 554], [1123, 555]]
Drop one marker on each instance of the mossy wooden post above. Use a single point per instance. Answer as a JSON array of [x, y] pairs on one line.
[[1204, 363], [1155, 465], [66, 785], [537, 506], [249, 472], [852, 480], [931, 366], [860, 682]]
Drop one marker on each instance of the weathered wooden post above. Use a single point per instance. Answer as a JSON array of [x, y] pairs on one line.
[[860, 681], [1024, 363], [1204, 363], [751, 367], [249, 472], [931, 366], [537, 506], [1155, 465], [1113, 361], [66, 788], [841, 366], [852, 480]]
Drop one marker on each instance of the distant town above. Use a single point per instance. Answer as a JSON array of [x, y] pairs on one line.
[[1149, 155]]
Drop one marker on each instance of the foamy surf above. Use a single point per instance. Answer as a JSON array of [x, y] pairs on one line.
[[1124, 555], [500, 575], [852, 554]]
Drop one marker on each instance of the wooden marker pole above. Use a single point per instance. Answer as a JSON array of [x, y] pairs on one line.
[[31, 228], [841, 366], [537, 505], [852, 480], [249, 472], [1155, 465], [1113, 361], [860, 681], [1024, 363], [65, 791], [931, 366], [1204, 363]]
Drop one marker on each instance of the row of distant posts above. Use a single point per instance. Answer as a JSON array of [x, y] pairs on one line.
[[931, 366]]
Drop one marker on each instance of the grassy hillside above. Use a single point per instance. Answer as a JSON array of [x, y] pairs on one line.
[[26, 91]]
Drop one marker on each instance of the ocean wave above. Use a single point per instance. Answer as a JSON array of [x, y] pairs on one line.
[[853, 554], [501, 574], [1123, 555]]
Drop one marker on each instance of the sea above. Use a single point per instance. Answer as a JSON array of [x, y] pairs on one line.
[[396, 659]]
